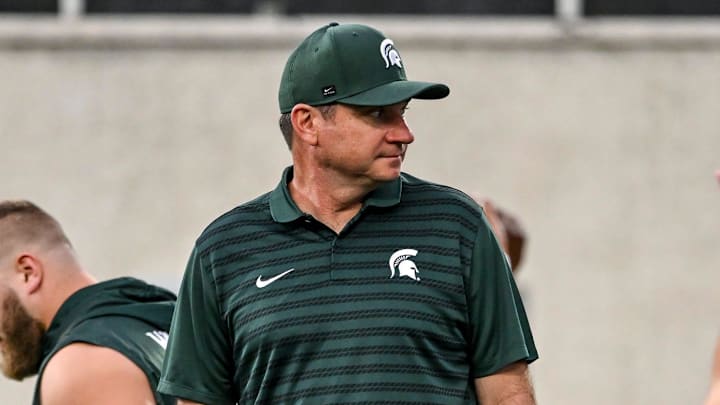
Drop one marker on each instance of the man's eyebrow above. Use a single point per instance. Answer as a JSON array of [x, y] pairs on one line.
[[367, 109], [363, 109]]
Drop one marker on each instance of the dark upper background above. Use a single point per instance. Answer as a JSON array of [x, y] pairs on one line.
[[591, 8]]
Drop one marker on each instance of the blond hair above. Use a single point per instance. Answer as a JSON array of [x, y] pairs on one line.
[[22, 223]]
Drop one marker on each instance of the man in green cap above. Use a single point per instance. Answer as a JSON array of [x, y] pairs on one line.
[[351, 282]]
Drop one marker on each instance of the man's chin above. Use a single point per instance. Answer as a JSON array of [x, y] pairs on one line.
[[20, 378], [387, 177], [389, 173], [19, 372]]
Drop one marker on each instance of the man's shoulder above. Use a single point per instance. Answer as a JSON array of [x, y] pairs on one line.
[[137, 339], [85, 354], [254, 211], [420, 188], [86, 373], [116, 325], [253, 208]]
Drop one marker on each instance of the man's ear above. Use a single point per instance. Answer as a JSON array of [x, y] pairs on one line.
[[31, 272], [303, 118]]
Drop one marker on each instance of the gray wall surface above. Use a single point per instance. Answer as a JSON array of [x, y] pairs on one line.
[[603, 143]]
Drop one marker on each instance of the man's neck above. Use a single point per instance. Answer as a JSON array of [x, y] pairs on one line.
[[62, 291], [332, 202]]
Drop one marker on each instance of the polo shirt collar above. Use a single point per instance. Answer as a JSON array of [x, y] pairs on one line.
[[283, 208]]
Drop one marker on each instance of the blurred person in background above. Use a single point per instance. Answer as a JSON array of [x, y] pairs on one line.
[[713, 397], [508, 229], [89, 342], [351, 282]]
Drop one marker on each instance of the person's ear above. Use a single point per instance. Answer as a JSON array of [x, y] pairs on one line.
[[304, 122], [31, 272]]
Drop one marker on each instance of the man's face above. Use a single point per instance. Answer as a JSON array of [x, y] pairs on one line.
[[20, 337], [366, 142]]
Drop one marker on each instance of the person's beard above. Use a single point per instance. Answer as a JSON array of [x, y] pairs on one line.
[[20, 340]]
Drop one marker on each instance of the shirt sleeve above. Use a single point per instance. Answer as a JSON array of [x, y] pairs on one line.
[[499, 330], [197, 363]]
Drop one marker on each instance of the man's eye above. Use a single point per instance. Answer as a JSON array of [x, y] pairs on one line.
[[377, 114]]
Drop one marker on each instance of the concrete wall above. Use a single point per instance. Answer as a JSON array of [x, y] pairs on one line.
[[601, 139]]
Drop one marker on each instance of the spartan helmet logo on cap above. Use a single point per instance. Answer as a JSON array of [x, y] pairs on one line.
[[390, 54], [399, 260]]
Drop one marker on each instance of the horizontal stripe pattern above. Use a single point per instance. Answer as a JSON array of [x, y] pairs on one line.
[[339, 328]]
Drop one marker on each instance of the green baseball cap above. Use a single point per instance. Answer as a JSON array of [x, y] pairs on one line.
[[351, 64]]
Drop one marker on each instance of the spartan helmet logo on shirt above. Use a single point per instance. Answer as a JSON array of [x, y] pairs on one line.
[[400, 261], [390, 54]]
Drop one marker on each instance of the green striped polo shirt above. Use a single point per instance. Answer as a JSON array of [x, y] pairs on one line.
[[409, 303]]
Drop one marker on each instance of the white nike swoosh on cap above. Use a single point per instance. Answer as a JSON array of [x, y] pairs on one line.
[[260, 283]]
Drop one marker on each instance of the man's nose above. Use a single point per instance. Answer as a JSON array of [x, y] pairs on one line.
[[400, 132]]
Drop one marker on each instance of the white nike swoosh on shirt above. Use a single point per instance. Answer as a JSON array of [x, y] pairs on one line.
[[260, 283]]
